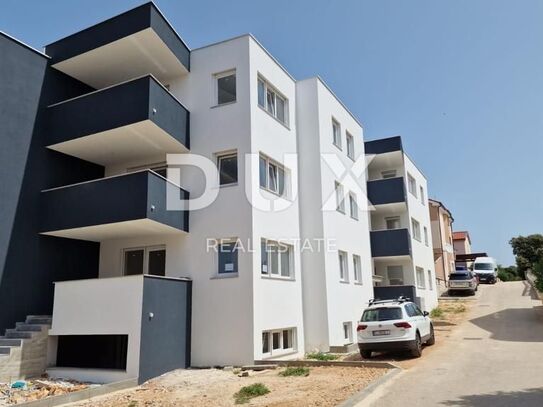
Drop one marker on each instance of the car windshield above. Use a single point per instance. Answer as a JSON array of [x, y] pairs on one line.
[[382, 314], [460, 276], [484, 266]]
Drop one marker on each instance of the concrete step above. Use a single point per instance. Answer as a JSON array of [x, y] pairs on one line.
[[39, 320], [14, 334], [5, 350], [21, 326], [10, 342]]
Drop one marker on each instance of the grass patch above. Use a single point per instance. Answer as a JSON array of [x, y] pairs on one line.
[[295, 371], [321, 356], [459, 309], [436, 313], [249, 392]]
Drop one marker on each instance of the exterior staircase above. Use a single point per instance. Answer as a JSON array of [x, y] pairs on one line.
[[23, 350]]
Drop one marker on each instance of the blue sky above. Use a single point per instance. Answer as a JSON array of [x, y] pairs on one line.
[[460, 80]]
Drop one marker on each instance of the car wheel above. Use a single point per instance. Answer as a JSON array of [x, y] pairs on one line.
[[417, 347], [432, 339], [366, 354]]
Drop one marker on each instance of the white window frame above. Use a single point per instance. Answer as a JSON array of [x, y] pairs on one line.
[[273, 90], [270, 163], [282, 250], [146, 250], [393, 219], [340, 197], [347, 332], [281, 350], [336, 134], [420, 277], [415, 226], [221, 156], [412, 185], [387, 174], [216, 78], [350, 145], [430, 283], [343, 261], [426, 241], [353, 209], [357, 268], [421, 190], [395, 268]]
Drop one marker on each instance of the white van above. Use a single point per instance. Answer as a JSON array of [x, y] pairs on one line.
[[486, 269]]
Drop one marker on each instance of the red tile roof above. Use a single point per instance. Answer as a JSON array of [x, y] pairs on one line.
[[461, 235]]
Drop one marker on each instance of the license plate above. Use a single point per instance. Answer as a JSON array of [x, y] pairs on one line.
[[382, 332]]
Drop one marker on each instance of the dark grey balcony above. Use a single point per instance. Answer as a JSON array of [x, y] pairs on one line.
[[385, 145], [134, 43], [390, 243], [133, 204], [123, 123], [386, 191]]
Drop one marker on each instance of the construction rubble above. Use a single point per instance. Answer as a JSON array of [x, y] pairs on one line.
[[23, 391]]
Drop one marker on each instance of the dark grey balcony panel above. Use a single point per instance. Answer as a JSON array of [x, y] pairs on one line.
[[118, 27], [386, 191], [388, 243], [385, 145], [135, 196], [122, 105]]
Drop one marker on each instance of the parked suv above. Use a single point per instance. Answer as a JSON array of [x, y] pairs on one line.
[[393, 325], [463, 281]]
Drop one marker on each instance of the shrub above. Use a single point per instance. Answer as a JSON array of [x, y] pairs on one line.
[[247, 393], [436, 313], [321, 356], [295, 371]]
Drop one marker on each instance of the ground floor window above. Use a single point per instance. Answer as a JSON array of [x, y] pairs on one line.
[[420, 278], [145, 260], [348, 332], [278, 341]]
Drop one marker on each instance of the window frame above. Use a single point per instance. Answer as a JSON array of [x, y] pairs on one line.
[[290, 253], [268, 87], [347, 329], [281, 350], [416, 232], [421, 282], [146, 250], [349, 141], [422, 199], [394, 171], [220, 75], [430, 283], [220, 157], [426, 239], [395, 266], [235, 272], [340, 197], [269, 162], [338, 142], [412, 185], [343, 261], [357, 269], [352, 199], [393, 218]]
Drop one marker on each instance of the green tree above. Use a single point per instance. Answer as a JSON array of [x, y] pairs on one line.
[[528, 251]]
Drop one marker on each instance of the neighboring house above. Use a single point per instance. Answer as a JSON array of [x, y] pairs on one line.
[[400, 222], [337, 282], [462, 245], [442, 241]]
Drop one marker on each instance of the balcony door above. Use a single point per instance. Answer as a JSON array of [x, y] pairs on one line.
[[145, 260]]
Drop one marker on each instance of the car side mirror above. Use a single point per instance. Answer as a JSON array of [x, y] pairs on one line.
[[425, 313]]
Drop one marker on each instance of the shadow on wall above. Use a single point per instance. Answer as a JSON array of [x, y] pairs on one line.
[[524, 398], [510, 325]]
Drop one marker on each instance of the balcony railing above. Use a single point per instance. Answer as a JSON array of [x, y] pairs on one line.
[[386, 191], [390, 243]]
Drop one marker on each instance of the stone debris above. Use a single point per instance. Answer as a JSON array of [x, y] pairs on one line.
[[36, 389]]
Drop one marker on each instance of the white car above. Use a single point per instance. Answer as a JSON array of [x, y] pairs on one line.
[[393, 325]]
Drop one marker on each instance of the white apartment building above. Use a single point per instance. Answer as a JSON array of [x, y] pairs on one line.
[[333, 207], [401, 237]]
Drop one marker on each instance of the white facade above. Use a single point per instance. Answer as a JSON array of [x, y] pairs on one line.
[[333, 300]]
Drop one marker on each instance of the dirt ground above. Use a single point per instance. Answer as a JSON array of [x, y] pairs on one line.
[[325, 386]]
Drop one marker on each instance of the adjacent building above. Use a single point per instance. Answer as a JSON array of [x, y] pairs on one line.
[[401, 232], [462, 246], [442, 241]]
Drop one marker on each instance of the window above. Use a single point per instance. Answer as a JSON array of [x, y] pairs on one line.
[[273, 176], [422, 200], [278, 341], [357, 267], [276, 259], [382, 314], [145, 260], [340, 198], [412, 185], [430, 280], [395, 275], [336, 133], [271, 101], [226, 87], [348, 332], [343, 266], [416, 229], [350, 146], [228, 257], [388, 174], [353, 206], [425, 235], [393, 222], [228, 168], [420, 278]]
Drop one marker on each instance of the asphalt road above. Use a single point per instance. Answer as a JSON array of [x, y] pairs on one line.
[[494, 359]]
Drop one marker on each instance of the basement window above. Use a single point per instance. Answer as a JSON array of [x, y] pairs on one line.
[[278, 341], [92, 351]]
